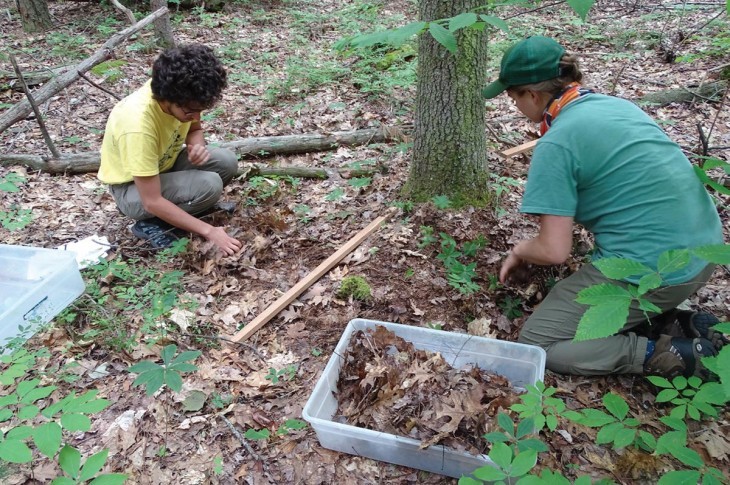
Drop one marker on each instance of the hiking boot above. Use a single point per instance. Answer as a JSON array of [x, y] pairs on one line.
[[674, 356], [689, 324], [156, 231], [225, 206]]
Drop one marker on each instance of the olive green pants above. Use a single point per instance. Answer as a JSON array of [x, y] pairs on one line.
[[193, 188], [554, 323]]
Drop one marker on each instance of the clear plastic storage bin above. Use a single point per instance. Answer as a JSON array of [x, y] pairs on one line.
[[522, 364], [35, 285]]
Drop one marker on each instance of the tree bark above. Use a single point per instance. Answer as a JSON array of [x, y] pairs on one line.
[[250, 147], [23, 108], [163, 29], [449, 150], [34, 15]]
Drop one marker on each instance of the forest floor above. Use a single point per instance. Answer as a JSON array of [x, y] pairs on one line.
[[286, 78]]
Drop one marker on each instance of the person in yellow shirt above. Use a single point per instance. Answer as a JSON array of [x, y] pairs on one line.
[[154, 157]]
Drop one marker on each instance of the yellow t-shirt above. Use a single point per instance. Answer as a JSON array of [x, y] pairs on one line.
[[140, 139]]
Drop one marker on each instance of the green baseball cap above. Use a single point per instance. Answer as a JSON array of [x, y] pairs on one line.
[[532, 60]]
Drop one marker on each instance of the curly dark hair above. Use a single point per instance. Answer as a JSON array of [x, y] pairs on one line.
[[188, 74]]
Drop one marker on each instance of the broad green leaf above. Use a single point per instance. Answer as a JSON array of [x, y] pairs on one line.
[[20, 432], [666, 395], [92, 407], [693, 413], [295, 424], [15, 451], [674, 423], [501, 455], [194, 401], [5, 414], [672, 260], [525, 427], [716, 162], [496, 437], [680, 382], [173, 381], [462, 20], [359, 182], [648, 306], [38, 393], [523, 463], [715, 253], [648, 439], [489, 474], [506, 423], [443, 37], [616, 405], [93, 465], [649, 282], [186, 356], [624, 437], [371, 39], [25, 387], [680, 477], [469, 481], [720, 365], [595, 418], [156, 381], [400, 35], [62, 481], [603, 293], [167, 352], [687, 456], [8, 400], [706, 408], [495, 22], [70, 461], [608, 433], [660, 382], [87, 396], [183, 367], [144, 366], [28, 412], [602, 320], [711, 392], [253, 434], [532, 444], [621, 268], [705, 179], [110, 479], [75, 422], [581, 7], [47, 438], [551, 421], [670, 440], [723, 327]]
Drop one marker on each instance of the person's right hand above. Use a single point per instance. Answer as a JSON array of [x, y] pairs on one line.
[[223, 241]]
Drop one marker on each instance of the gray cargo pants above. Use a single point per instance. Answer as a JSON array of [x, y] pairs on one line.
[[192, 188], [553, 325]]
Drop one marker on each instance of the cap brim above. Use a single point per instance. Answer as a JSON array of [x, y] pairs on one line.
[[494, 89]]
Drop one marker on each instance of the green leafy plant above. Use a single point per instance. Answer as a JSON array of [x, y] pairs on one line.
[[709, 164], [427, 237], [303, 212], [153, 376], [441, 202], [286, 427], [616, 425], [21, 409], [460, 275], [511, 307], [335, 194], [500, 186], [539, 404], [691, 396], [287, 374], [359, 182], [14, 218]]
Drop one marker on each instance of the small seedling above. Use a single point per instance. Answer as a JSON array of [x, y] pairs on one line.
[[153, 376], [441, 202]]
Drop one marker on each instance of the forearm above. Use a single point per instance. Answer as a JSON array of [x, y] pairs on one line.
[[195, 135], [172, 214], [537, 251]]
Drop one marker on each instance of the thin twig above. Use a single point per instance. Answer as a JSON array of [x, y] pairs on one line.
[[240, 437], [719, 108], [703, 139], [37, 112], [223, 339], [86, 78]]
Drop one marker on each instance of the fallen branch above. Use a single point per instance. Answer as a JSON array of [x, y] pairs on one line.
[[23, 108], [284, 300], [712, 92], [240, 437], [248, 147]]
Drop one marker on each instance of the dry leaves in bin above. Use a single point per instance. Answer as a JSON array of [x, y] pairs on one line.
[[388, 385]]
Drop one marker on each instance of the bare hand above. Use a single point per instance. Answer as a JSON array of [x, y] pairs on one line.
[[198, 154], [510, 264], [223, 241]]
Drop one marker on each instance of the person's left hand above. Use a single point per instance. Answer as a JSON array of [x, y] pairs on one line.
[[198, 154]]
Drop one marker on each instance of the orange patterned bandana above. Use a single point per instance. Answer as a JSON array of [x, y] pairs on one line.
[[571, 92]]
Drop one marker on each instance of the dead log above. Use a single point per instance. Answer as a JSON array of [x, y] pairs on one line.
[[710, 92], [23, 108], [247, 147], [33, 78]]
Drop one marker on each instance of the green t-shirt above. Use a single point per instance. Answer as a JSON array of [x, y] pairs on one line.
[[140, 139], [608, 165]]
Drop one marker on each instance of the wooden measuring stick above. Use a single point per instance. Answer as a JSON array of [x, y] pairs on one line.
[[329, 263], [525, 147]]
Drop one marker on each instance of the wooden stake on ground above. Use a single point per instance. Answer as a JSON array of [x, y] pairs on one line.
[[288, 297], [525, 147]]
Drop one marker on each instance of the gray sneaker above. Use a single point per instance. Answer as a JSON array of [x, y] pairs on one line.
[[674, 356]]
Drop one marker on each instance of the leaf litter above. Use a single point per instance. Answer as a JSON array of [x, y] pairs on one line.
[[387, 385]]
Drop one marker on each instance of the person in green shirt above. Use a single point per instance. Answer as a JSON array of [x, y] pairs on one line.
[[154, 156], [603, 163]]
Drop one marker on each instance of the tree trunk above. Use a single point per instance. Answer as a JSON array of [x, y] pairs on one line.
[[449, 141], [34, 15], [163, 29]]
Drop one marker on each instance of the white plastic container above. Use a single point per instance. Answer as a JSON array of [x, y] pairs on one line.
[[35, 285], [522, 364]]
